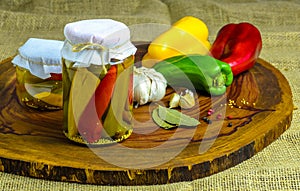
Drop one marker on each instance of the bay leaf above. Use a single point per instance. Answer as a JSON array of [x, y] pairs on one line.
[[161, 122], [175, 117]]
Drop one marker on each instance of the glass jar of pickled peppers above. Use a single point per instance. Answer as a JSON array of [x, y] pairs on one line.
[[39, 74], [97, 59]]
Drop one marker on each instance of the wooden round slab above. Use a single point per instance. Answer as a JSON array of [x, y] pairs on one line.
[[256, 109]]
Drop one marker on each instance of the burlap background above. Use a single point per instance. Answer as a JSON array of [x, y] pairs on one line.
[[277, 167]]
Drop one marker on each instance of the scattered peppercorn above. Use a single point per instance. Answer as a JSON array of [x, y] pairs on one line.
[[205, 119], [219, 116], [229, 117], [210, 111], [229, 124]]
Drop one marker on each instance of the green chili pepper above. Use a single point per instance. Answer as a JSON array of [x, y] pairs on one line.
[[202, 73]]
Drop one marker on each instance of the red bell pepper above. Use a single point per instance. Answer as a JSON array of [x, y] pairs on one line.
[[239, 45], [89, 124]]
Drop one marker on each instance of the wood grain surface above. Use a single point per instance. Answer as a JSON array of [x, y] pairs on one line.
[[256, 109]]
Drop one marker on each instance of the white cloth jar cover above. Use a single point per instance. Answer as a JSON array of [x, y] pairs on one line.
[[40, 56], [98, 41]]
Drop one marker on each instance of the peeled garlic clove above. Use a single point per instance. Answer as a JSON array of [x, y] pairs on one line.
[[174, 100], [187, 100]]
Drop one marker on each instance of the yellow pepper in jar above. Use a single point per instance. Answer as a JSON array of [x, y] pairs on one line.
[[188, 35]]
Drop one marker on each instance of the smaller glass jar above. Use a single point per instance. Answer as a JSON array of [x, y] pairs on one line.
[[39, 74]]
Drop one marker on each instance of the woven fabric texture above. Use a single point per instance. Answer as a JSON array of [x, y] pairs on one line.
[[277, 167]]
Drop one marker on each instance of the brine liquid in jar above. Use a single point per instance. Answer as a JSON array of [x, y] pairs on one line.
[[34, 92], [39, 74], [97, 91]]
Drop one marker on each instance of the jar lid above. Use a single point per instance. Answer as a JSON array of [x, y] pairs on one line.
[[40, 56], [94, 38]]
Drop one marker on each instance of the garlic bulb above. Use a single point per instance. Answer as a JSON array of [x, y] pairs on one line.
[[185, 100], [149, 85]]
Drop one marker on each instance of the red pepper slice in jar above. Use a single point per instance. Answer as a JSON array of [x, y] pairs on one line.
[[105, 90], [239, 45], [55, 77], [90, 125]]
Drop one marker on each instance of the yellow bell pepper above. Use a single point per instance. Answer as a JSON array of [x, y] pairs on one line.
[[188, 35]]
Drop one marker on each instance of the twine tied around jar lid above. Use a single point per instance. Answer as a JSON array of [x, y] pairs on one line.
[[95, 46]]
